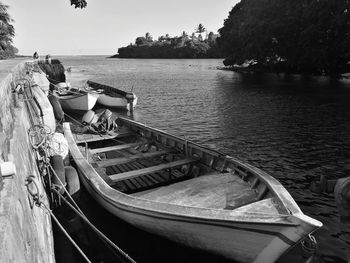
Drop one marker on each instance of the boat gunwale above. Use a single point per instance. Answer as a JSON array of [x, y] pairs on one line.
[[75, 96], [109, 90]]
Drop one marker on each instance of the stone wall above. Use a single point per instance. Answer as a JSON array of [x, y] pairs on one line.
[[25, 230]]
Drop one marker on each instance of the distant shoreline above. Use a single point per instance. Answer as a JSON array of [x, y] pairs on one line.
[[117, 56]]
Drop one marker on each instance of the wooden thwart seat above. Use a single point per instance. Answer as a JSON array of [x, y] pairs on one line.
[[115, 147], [115, 161], [82, 138], [131, 174]]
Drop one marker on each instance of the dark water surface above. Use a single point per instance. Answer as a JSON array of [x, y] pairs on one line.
[[295, 128]]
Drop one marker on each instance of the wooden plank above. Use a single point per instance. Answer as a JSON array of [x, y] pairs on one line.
[[125, 183], [144, 163], [102, 137], [146, 178], [115, 147], [148, 170], [153, 177], [115, 161]]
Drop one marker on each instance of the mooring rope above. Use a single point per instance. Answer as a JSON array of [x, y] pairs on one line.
[[43, 206], [38, 202], [80, 213], [37, 197], [63, 186]]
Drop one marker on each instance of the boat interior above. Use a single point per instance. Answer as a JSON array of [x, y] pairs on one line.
[[71, 92], [156, 166], [105, 89]]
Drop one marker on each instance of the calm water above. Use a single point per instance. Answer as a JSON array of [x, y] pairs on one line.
[[293, 127]]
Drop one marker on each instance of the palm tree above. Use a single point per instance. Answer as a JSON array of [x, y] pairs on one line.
[[200, 29]]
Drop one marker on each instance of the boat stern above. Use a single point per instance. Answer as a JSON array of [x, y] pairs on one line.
[[91, 100]]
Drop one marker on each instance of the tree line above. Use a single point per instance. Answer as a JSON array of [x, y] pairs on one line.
[[304, 36], [7, 32], [197, 45]]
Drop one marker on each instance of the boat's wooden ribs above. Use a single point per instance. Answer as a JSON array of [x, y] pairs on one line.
[[131, 174], [116, 161], [115, 147], [206, 157]]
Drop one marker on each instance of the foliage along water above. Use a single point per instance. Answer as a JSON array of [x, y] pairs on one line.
[[295, 128]]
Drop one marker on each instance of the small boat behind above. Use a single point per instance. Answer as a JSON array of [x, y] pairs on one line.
[[76, 99], [112, 97], [188, 193]]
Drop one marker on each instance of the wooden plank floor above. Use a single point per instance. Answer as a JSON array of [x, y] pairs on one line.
[[148, 170], [219, 191], [128, 159]]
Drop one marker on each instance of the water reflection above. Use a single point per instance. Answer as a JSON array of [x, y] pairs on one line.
[[293, 127], [296, 129]]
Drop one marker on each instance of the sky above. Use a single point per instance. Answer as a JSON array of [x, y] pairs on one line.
[[55, 27]]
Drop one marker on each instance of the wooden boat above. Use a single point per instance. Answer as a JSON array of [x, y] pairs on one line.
[[188, 193], [112, 97], [75, 99]]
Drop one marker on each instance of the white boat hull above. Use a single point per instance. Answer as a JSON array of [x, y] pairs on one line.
[[83, 102], [243, 242], [244, 234], [115, 102]]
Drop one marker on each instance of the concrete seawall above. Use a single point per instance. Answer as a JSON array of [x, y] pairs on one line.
[[25, 229]]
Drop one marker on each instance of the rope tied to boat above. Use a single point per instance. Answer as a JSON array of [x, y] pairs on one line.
[[23, 87], [80, 213], [310, 246], [46, 209], [36, 196], [40, 132], [37, 200]]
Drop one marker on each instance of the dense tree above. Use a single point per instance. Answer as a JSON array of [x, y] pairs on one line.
[[211, 38], [7, 32], [171, 47], [310, 36], [141, 41], [148, 37], [78, 3]]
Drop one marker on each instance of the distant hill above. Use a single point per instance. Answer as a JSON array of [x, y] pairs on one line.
[[194, 46]]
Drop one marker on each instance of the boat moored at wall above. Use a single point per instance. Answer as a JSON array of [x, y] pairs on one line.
[[188, 193], [77, 99], [113, 97]]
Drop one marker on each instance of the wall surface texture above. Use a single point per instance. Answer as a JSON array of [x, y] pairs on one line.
[[25, 229]]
